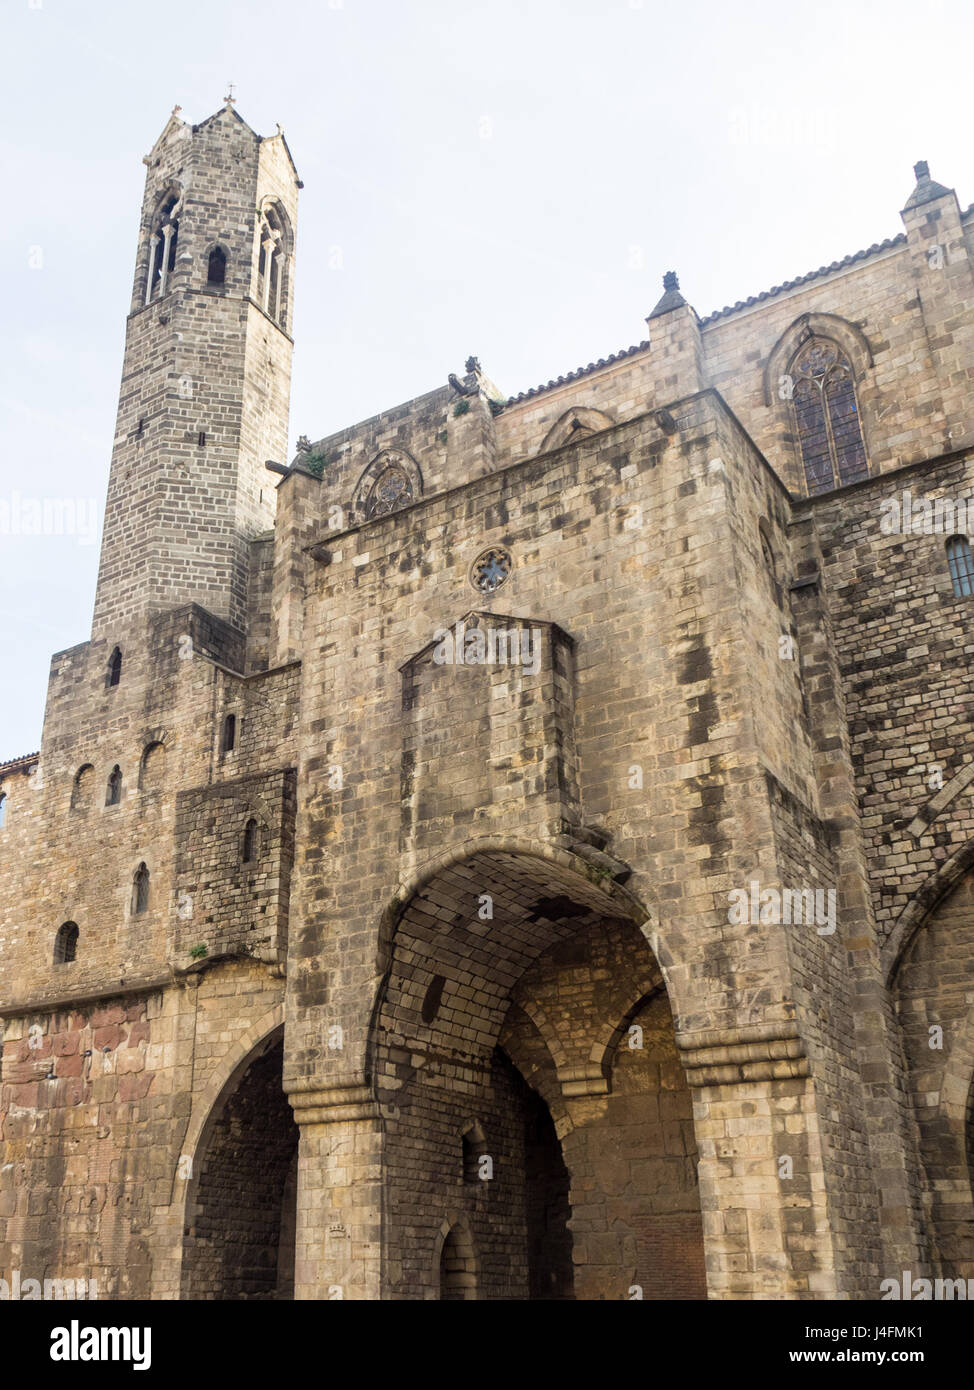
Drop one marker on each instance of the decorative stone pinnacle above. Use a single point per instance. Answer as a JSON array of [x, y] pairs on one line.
[[670, 280], [472, 364], [922, 170], [304, 445]]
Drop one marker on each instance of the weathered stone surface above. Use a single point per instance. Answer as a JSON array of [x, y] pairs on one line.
[[449, 756]]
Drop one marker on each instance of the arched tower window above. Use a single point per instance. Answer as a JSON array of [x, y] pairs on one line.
[[140, 890], [251, 843], [273, 263], [66, 944], [114, 793], [3, 809], [216, 267], [827, 417], [114, 668], [162, 248], [961, 565]]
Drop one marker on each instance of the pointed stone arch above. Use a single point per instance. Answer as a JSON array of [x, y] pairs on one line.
[[849, 337], [506, 1044], [576, 423], [455, 1262], [923, 902], [237, 1222], [396, 464]]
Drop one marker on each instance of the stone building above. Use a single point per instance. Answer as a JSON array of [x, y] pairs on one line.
[[522, 848]]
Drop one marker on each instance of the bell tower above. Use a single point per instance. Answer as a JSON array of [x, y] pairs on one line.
[[206, 374]]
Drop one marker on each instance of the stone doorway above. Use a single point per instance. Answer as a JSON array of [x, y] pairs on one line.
[[241, 1207]]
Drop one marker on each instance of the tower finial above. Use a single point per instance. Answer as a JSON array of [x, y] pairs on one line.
[[229, 96], [672, 298]]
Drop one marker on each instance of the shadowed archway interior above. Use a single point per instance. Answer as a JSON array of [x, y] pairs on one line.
[[551, 1039], [240, 1234]]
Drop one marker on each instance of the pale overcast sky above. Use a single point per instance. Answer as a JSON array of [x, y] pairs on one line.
[[508, 179]]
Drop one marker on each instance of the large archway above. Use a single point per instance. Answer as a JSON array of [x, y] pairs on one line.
[[241, 1206], [932, 994], [524, 1057]]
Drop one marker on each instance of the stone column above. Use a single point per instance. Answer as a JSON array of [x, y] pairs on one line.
[[338, 1247], [762, 1179]]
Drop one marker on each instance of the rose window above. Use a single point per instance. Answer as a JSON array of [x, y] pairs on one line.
[[490, 570]]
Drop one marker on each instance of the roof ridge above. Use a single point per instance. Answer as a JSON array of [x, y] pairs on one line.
[[15, 762], [873, 250], [580, 372]]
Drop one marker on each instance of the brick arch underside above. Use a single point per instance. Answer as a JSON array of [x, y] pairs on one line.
[[933, 987], [590, 1138], [241, 1210]]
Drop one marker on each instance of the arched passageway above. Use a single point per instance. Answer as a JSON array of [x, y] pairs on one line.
[[932, 995], [241, 1206], [543, 1027]]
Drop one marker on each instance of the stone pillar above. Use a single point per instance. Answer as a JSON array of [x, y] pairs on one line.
[[338, 1246], [762, 1179], [944, 277], [674, 334]]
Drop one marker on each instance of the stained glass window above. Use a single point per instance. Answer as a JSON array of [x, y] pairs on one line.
[[827, 418]]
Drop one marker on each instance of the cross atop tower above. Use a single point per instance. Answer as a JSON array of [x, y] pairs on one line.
[[229, 96]]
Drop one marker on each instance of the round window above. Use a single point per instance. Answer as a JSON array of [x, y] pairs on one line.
[[491, 569]]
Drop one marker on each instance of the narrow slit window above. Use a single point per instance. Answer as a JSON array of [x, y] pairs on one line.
[[114, 793], [140, 890], [66, 944], [115, 667], [229, 733], [961, 565], [251, 841], [3, 809]]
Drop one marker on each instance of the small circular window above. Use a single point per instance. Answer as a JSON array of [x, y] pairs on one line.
[[491, 569]]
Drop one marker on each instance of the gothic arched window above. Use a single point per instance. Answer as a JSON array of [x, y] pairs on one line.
[[114, 674], [272, 263], [391, 490], [114, 793], [66, 944], [140, 890], [162, 248], [827, 417], [960, 562], [3, 809]]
